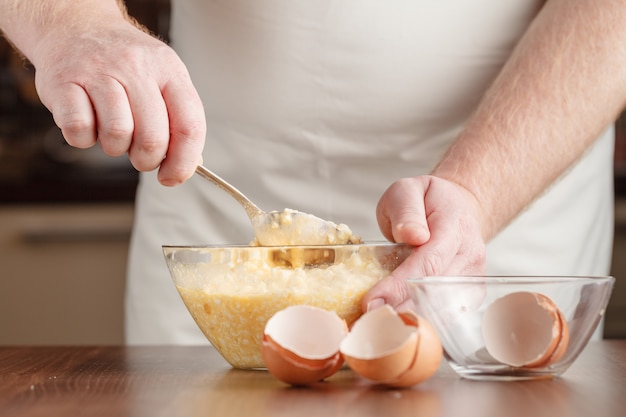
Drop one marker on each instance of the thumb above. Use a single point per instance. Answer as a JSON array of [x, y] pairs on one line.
[[410, 230], [401, 213]]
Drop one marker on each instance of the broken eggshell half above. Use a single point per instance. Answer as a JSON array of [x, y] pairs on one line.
[[525, 329], [299, 344], [392, 348]]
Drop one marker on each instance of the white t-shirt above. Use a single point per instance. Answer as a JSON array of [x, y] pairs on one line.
[[319, 105]]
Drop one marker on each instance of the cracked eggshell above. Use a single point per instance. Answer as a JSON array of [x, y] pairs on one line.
[[300, 344], [395, 349], [525, 329], [561, 348], [427, 357]]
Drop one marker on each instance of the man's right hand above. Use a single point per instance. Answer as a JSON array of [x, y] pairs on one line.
[[107, 81]]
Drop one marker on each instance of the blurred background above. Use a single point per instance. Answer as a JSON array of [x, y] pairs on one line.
[[66, 217]]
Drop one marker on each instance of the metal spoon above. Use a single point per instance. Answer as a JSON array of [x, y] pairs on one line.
[[287, 227]]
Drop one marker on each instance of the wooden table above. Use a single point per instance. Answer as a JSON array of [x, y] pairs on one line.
[[194, 381]]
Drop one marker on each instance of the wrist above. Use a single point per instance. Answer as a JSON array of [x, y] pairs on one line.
[[34, 27]]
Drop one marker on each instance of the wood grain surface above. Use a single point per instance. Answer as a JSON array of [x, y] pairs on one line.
[[196, 381]]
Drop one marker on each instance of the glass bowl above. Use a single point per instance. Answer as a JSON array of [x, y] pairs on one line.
[[456, 307], [231, 291]]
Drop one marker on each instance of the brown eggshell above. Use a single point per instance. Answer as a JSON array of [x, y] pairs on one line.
[[427, 358], [379, 346], [409, 318], [552, 310], [300, 344], [524, 329], [563, 343], [387, 367], [393, 349], [292, 369]]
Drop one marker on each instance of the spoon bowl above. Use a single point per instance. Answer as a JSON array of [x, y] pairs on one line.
[[286, 227]]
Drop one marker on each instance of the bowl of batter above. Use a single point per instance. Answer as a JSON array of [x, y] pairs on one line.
[[231, 291]]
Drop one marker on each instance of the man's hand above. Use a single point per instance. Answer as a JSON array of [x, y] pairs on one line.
[[442, 221], [107, 81]]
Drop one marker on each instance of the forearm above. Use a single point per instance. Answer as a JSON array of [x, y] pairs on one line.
[[563, 85], [27, 22]]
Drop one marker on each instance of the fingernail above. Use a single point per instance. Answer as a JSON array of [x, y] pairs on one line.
[[375, 303], [169, 182]]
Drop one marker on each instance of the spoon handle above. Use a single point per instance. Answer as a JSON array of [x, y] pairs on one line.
[[251, 209]]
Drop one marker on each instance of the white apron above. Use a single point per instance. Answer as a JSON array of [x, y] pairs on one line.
[[319, 105]]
